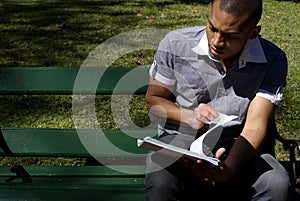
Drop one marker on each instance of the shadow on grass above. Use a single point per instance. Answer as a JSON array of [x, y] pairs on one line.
[[49, 33], [59, 33]]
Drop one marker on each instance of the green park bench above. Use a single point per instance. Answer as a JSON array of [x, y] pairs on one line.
[[116, 174]]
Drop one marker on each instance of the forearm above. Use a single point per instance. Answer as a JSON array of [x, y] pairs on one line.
[[253, 135], [166, 109], [158, 103], [244, 148], [241, 152]]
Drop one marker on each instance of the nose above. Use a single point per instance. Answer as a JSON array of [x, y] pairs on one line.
[[218, 40]]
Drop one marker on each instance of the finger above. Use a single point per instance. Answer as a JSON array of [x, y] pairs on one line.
[[214, 113], [220, 152], [203, 116], [195, 124], [206, 113]]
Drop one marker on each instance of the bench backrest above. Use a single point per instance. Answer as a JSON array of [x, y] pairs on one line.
[[61, 80], [68, 142]]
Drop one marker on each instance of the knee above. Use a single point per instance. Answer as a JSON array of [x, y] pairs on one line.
[[278, 178], [278, 182], [159, 185], [159, 181], [274, 184]]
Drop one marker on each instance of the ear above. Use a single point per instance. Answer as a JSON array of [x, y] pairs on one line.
[[255, 32]]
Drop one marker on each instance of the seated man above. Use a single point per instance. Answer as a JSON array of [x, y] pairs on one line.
[[200, 72]]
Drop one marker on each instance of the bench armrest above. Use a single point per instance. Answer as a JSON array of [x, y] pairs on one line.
[[293, 147]]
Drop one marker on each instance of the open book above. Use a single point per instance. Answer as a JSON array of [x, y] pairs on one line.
[[201, 148]]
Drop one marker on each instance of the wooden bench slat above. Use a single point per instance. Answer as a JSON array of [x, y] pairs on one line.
[[75, 171], [53, 188], [60, 80], [69, 183], [110, 193], [114, 186], [68, 142]]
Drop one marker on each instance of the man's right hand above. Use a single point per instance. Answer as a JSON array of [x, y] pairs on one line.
[[203, 114]]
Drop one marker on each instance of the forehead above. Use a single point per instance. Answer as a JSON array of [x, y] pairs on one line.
[[224, 21]]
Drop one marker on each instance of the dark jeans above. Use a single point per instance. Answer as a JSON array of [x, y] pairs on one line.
[[263, 178]]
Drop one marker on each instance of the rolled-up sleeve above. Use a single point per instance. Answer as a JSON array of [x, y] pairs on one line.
[[275, 80]]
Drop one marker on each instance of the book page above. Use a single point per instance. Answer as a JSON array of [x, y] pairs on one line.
[[199, 149], [210, 137], [168, 149], [206, 142]]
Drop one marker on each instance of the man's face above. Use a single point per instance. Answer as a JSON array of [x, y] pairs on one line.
[[227, 34]]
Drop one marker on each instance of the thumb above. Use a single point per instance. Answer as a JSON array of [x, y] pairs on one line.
[[220, 153]]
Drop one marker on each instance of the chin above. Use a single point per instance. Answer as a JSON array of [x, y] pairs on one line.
[[215, 57]]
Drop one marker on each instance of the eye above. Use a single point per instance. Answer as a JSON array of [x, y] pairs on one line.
[[229, 36], [213, 29]]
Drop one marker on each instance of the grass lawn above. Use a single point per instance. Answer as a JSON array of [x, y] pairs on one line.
[[64, 32]]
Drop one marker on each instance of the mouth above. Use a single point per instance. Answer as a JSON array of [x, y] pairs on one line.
[[215, 52]]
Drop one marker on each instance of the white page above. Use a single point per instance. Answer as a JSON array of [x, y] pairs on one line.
[[197, 150], [156, 145], [212, 136]]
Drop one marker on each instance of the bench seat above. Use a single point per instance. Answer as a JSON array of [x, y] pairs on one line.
[[72, 187]]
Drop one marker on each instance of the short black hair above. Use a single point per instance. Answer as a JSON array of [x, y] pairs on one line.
[[238, 8]]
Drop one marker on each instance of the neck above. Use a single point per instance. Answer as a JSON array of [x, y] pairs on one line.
[[224, 66]]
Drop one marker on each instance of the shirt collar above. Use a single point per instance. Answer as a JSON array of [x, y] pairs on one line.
[[252, 52]]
